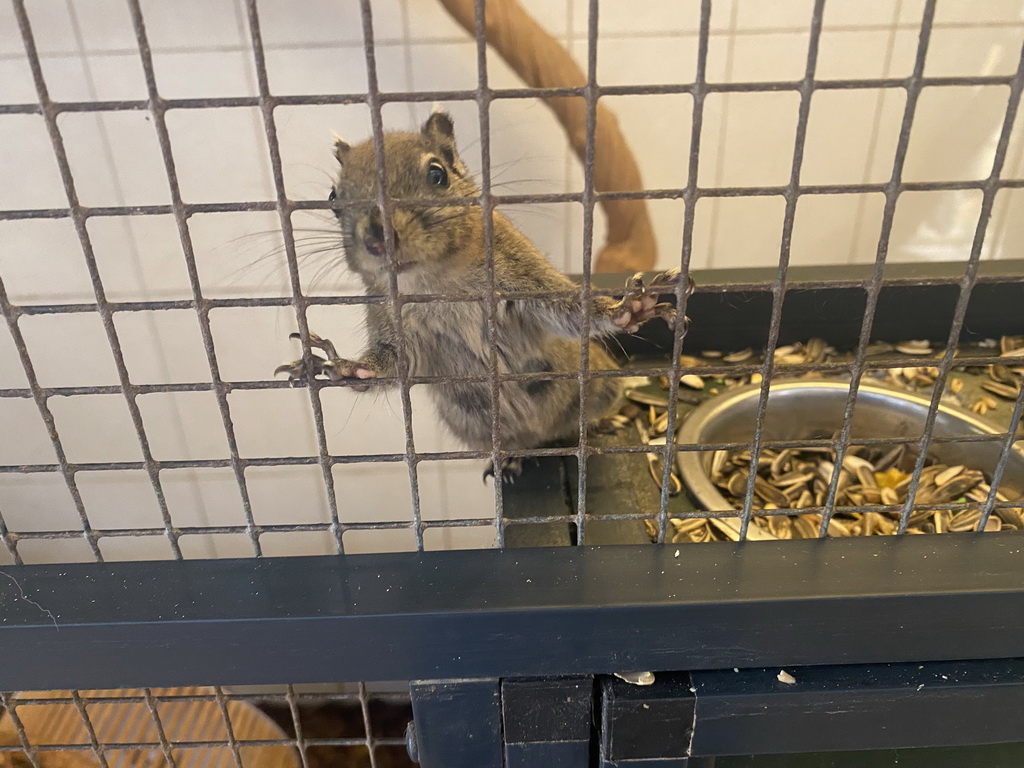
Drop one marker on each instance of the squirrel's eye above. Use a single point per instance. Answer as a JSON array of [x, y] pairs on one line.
[[436, 174], [333, 196]]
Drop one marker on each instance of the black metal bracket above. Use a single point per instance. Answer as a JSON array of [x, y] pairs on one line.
[[457, 723], [547, 722], [810, 709]]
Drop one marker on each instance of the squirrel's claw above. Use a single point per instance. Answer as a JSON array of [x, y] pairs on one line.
[[511, 468], [641, 304], [349, 372], [298, 370]]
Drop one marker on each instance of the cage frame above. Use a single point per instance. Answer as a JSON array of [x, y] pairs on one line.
[[154, 623]]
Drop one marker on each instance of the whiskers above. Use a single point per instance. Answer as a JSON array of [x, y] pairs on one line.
[[319, 255]]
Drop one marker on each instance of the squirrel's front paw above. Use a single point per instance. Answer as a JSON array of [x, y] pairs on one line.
[[337, 369], [640, 303]]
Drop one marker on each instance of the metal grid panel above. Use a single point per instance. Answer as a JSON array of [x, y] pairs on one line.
[[362, 726], [483, 95]]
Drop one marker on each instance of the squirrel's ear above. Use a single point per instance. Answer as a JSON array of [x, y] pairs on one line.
[[440, 129], [341, 148], [439, 126]]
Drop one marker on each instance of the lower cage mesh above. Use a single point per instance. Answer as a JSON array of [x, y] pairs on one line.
[[204, 728]]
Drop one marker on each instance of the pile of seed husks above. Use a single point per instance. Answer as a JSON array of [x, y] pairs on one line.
[[800, 479], [870, 476]]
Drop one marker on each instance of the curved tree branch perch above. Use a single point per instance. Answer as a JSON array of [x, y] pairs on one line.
[[542, 62]]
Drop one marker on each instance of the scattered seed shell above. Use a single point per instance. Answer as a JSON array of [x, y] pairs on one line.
[[739, 357], [918, 347], [1003, 390]]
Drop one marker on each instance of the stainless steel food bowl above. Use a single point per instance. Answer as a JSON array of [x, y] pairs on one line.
[[803, 410]]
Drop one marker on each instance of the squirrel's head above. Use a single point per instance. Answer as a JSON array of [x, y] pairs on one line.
[[422, 171]]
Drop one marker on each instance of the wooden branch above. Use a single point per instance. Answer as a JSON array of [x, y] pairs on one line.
[[542, 62]]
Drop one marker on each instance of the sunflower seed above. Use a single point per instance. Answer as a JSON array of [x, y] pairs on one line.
[[855, 463], [692, 381], [878, 348], [792, 479], [1003, 390], [814, 350], [890, 459], [718, 461], [803, 528], [647, 398], [956, 385], [917, 347], [946, 475], [737, 483], [780, 462], [780, 526], [739, 357], [964, 521], [1002, 374], [867, 477], [1009, 344], [769, 493], [687, 525]]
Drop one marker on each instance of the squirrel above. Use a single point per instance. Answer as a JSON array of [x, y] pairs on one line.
[[441, 249]]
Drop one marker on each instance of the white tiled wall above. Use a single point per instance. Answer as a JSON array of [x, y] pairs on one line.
[[201, 49]]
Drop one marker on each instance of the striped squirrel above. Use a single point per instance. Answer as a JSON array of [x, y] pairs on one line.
[[441, 250]]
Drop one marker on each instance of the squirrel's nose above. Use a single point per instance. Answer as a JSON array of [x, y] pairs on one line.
[[375, 235]]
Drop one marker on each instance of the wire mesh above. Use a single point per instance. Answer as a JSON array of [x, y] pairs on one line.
[[484, 96], [364, 726]]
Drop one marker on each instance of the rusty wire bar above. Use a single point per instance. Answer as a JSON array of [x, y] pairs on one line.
[[989, 191], [299, 742], [27, 747], [511, 93], [373, 99], [158, 109], [668, 193], [165, 744], [590, 95], [364, 708], [85, 241], [11, 314], [685, 257], [639, 370], [483, 101], [284, 211], [874, 288], [779, 289], [9, 542], [229, 728], [94, 743], [997, 474]]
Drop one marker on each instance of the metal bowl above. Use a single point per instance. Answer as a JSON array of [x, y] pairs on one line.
[[803, 410]]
